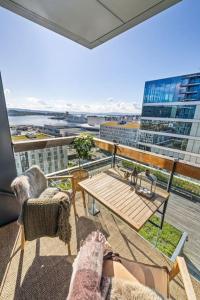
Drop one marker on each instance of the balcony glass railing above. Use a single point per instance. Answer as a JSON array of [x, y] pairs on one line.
[[51, 158]]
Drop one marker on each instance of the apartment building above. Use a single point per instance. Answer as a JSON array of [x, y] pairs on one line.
[[49, 159], [121, 132], [170, 121]]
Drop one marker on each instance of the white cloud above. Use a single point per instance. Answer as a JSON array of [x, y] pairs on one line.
[[109, 105]]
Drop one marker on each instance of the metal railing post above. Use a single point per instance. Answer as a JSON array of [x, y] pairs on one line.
[[171, 175], [114, 154], [168, 190]]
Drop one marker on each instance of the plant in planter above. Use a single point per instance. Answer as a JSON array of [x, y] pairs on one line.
[[83, 145]]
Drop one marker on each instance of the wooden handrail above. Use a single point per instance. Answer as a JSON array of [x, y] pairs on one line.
[[42, 144], [160, 161], [142, 156]]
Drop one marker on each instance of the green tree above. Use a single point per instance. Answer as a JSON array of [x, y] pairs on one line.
[[83, 145]]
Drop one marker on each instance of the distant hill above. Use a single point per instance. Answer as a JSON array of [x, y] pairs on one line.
[[29, 112]]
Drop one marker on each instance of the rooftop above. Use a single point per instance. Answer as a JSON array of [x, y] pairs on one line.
[[129, 125], [23, 137]]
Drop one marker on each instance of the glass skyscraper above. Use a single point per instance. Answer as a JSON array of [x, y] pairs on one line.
[[170, 121]]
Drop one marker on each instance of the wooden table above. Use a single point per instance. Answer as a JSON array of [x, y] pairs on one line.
[[120, 198]]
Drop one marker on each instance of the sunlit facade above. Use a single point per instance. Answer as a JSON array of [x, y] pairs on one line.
[[49, 159], [170, 122], [120, 132]]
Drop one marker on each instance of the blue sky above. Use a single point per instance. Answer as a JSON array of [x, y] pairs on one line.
[[43, 70]]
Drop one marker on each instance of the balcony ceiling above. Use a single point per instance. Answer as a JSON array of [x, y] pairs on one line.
[[88, 22]]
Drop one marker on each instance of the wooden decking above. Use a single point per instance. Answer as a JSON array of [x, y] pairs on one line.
[[43, 270], [185, 215]]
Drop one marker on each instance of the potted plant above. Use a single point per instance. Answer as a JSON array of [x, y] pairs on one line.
[[83, 145]]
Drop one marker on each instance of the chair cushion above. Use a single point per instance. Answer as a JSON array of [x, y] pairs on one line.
[[155, 277], [127, 290], [48, 193]]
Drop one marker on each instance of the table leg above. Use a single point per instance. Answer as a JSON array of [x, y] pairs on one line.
[[93, 210], [83, 195]]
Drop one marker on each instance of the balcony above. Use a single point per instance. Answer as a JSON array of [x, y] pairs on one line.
[[48, 258], [190, 84], [43, 270], [189, 92]]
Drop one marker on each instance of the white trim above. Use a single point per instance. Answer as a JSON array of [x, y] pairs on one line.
[[169, 149], [196, 138], [171, 119], [172, 103]]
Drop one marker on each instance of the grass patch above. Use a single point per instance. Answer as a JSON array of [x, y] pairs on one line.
[[168, 238], [63, 184], [16, 138], [179, 183]]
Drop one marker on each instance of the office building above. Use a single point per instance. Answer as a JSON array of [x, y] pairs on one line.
[[121, 132], [170, 121]]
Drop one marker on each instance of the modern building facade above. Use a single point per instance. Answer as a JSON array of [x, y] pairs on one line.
[[49, 160], [170, 121], [121, 132]]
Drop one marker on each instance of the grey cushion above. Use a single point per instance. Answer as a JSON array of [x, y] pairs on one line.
[[48, 193]]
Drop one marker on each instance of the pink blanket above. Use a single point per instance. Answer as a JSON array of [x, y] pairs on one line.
[[87, 282], [87, 270]]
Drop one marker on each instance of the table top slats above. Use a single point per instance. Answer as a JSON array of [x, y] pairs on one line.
[[120, 197], [111, 188], [129, 203]]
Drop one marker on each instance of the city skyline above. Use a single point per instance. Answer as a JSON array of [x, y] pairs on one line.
[[42, 70]]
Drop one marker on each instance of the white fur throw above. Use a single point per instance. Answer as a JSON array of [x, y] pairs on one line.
[[126, 290], [29, 185]]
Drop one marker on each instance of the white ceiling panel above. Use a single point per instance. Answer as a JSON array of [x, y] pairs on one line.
[[128, 9], [88, 22], [87, 19]]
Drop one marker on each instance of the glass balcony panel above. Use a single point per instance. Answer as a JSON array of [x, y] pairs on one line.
[[182, 128]]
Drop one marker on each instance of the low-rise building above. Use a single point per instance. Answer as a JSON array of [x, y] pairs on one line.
[[125, 133], [49, 160]]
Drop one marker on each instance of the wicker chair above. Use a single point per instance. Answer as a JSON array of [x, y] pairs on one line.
[[78, 176], [42, 206]]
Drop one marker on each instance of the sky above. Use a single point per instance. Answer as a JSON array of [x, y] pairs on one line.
[[43, 70]]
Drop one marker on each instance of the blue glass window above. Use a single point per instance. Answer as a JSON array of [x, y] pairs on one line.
[[175, 111], [173, 89]]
